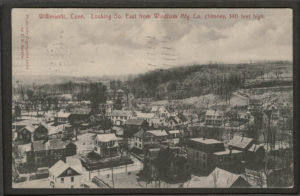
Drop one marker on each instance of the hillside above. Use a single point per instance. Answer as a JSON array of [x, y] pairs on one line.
[[189, 81]]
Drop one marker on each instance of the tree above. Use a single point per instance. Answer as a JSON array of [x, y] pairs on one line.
[[17, 111], [97, 96]]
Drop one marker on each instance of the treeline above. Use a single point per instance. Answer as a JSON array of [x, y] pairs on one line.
[[196, 80]]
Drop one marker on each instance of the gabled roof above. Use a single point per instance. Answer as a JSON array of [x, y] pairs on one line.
[[205, 141], [158, 133], [174, 131], [59, 167], [56, 144], [121, 113], [63, 114], [145, 115], [136, 121], [240, 142], [82, 111], [182, 117], [107, 137], [173, 119], [218, 178], [226, 152], [29, 128], [140, 134], [255, 147]]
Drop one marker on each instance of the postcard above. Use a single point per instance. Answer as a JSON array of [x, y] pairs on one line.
[[107, 98]]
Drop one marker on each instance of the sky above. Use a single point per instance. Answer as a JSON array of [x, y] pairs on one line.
[[97, 47]]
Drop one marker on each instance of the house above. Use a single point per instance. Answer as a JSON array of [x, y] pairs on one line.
[[142, 139], [201, 153], [218, 178], [55, 132], [68, 131], [162, 111], [62, 175], [25, 134], [49, 116], [41, 132], [39, 152], [214, 117], [157, 122], [145, 116], [240, 143], [23, 154], [174, 136], [230, 160], [80, 115], [252, 153], [21, 124], [56, 150], [132, 126], [107, 145], [62, 117], [119, 117], [177, 165]]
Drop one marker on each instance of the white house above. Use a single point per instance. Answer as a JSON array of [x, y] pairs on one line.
[[62, 117], [174, 136], [107, 145], [214, 117], [62, 175], [144, 138], [119, 117], [145, 116]]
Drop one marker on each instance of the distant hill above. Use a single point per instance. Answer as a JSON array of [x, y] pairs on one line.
[[188, 81]]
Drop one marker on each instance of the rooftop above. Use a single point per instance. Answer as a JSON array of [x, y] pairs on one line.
[[121, 113], [59, 167], [158, 132], [136, 121], [107, 137], [63, 114], [174, 131], [218, 178], [39, 145], [228, 152], [205, 141], [56, 144], [240, 142]]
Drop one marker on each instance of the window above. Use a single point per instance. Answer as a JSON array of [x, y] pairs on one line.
[[204, 156], [69, 171], [72, 186], [62, 180], [72, 179]]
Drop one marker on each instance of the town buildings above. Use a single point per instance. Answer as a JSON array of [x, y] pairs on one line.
[[107, 145], [200, 152], [143, 138], [214, 117], [62, 175]]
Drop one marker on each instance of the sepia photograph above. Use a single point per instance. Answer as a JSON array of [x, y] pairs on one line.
[[106, 98]]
